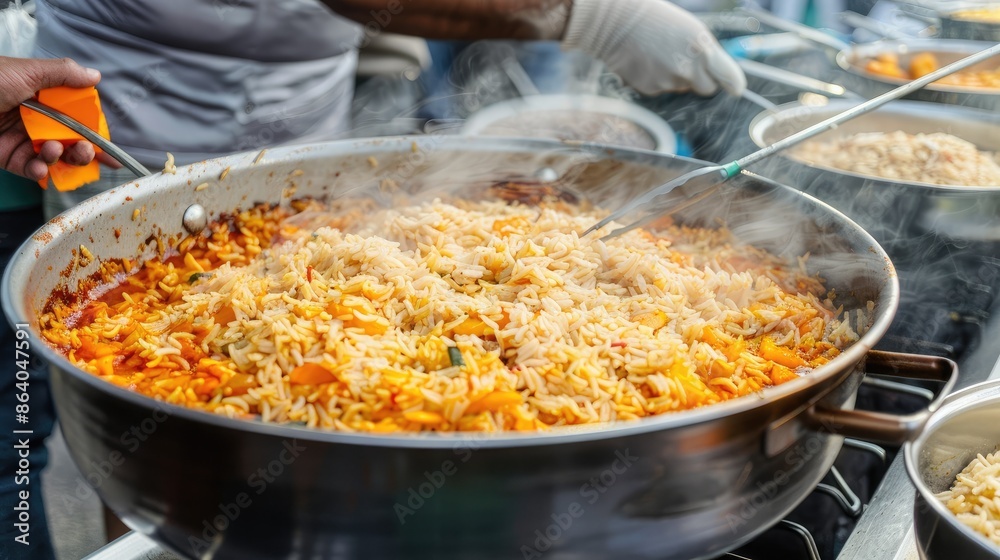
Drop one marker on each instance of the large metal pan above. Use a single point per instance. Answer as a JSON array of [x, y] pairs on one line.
[[968, 423], [853, 59], [891, 210], [677, 486]]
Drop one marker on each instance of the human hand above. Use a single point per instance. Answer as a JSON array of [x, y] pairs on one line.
[[20, 79], [653, 45]]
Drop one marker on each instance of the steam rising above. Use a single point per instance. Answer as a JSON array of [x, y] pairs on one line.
[[945, 282]]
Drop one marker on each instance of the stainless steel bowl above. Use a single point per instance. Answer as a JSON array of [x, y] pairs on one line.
[[952, 26], [888, 208], [853, 60], [677, 486], [576, 118], [967, 423]]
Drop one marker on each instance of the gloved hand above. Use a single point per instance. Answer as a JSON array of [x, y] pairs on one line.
[[653, 45]]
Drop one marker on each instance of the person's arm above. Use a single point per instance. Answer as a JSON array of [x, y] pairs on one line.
[[653, 45], [20, 78], [461, 19]]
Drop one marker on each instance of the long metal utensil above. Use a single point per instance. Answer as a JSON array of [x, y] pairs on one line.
[[759, 100], [101, 142], [700, 183], [794, 80], [799, 29], [872, 25]]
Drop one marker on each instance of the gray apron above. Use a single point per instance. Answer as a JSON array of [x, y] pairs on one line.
[[205, 78]]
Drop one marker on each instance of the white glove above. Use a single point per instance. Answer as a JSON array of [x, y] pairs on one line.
[[653, 45]]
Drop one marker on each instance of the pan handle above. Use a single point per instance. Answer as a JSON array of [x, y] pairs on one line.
[[878, 426]]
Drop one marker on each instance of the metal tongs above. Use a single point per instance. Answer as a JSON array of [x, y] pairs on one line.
[[697, 185]]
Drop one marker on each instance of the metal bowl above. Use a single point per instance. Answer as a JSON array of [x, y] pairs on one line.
[[677, 486], [889, 209], [966, 424], [575, 118], [853, 59], [952, 25]]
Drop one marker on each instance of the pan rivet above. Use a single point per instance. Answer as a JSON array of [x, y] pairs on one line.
[[195, 218], [546, 175]]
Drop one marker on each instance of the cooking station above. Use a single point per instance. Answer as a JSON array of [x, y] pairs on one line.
[[946, 253]]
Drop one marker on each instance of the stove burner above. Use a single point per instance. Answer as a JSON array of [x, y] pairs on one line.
[[819, 526]]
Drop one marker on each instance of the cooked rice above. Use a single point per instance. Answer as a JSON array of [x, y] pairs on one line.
[[170, 166], [975, 496], [341, 326], [936, 158]]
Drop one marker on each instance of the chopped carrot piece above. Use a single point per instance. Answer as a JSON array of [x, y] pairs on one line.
[[349, 315], [311, 374], [105, 350], [208, 385], [885, 69], [495, 401], [653, 319], [722, 368], [224, 315], [780, 374], [238, 384], [473, 326], [696, 391], [779, 354], [709, 337], [510, 225], [424, 417], [106, 365], [734, 350], [923, 64]]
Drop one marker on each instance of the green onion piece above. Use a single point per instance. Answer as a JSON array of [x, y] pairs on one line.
[[197, 276], [456, 356]]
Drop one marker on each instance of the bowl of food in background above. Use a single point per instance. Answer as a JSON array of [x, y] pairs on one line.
[[575, 118], [901, 171], [876, 68], [978, 22], [955, 466]]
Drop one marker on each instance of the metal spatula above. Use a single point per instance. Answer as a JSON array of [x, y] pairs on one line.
[[103, 143], [697, 185]]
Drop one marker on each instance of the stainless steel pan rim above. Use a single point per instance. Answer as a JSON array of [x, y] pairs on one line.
[[956, 7], [849, 60], [951, 26], [765, 120], [16, 312], [661, 133], [981, 395]]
